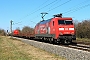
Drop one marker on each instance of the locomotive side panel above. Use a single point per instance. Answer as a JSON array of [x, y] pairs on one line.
[[45, 29], [53, 26]]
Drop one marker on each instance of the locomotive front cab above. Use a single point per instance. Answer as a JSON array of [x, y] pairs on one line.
[[15, 33], [66, 31]]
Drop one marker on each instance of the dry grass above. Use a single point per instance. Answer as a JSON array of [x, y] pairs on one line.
[[83, 40], [11, 49]]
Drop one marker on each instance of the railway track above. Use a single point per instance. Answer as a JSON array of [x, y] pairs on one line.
[[80, 47], [74, 45]]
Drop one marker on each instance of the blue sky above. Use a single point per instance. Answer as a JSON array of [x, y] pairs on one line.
[[27, 12]]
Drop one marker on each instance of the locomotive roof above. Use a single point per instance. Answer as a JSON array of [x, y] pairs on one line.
[[44, 21]]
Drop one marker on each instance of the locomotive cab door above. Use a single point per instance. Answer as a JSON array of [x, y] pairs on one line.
[[47, 28]]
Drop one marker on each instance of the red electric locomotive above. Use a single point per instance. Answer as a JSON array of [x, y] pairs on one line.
[[18, 33], [15, 33], [58, 29]]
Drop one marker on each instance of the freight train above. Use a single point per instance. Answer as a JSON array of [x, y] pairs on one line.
[[57, 29]]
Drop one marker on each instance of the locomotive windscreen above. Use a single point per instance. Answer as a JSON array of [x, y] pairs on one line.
[[65, 22]]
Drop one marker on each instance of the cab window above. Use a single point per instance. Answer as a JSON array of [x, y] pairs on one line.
[[53, 23], [65, 22]]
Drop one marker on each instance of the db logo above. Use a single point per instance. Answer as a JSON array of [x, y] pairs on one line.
[[66, 28]]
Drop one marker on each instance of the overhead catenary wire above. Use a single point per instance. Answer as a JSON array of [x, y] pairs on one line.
[[43, 7], [54, 4], [59, 6], [78, 8], [36, 10], [31, 13], [75, 7], [40, 8], [55, 7]]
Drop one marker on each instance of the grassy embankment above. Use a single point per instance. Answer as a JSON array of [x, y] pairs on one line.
[[11, 49], [83, 40]]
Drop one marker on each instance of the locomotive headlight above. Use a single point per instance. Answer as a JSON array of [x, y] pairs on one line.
[[61, 33], [72, 33], [61, 28], [71, 28]]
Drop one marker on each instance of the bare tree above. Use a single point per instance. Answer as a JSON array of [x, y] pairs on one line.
[[83, 29], [2, 32], [27, 29]]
